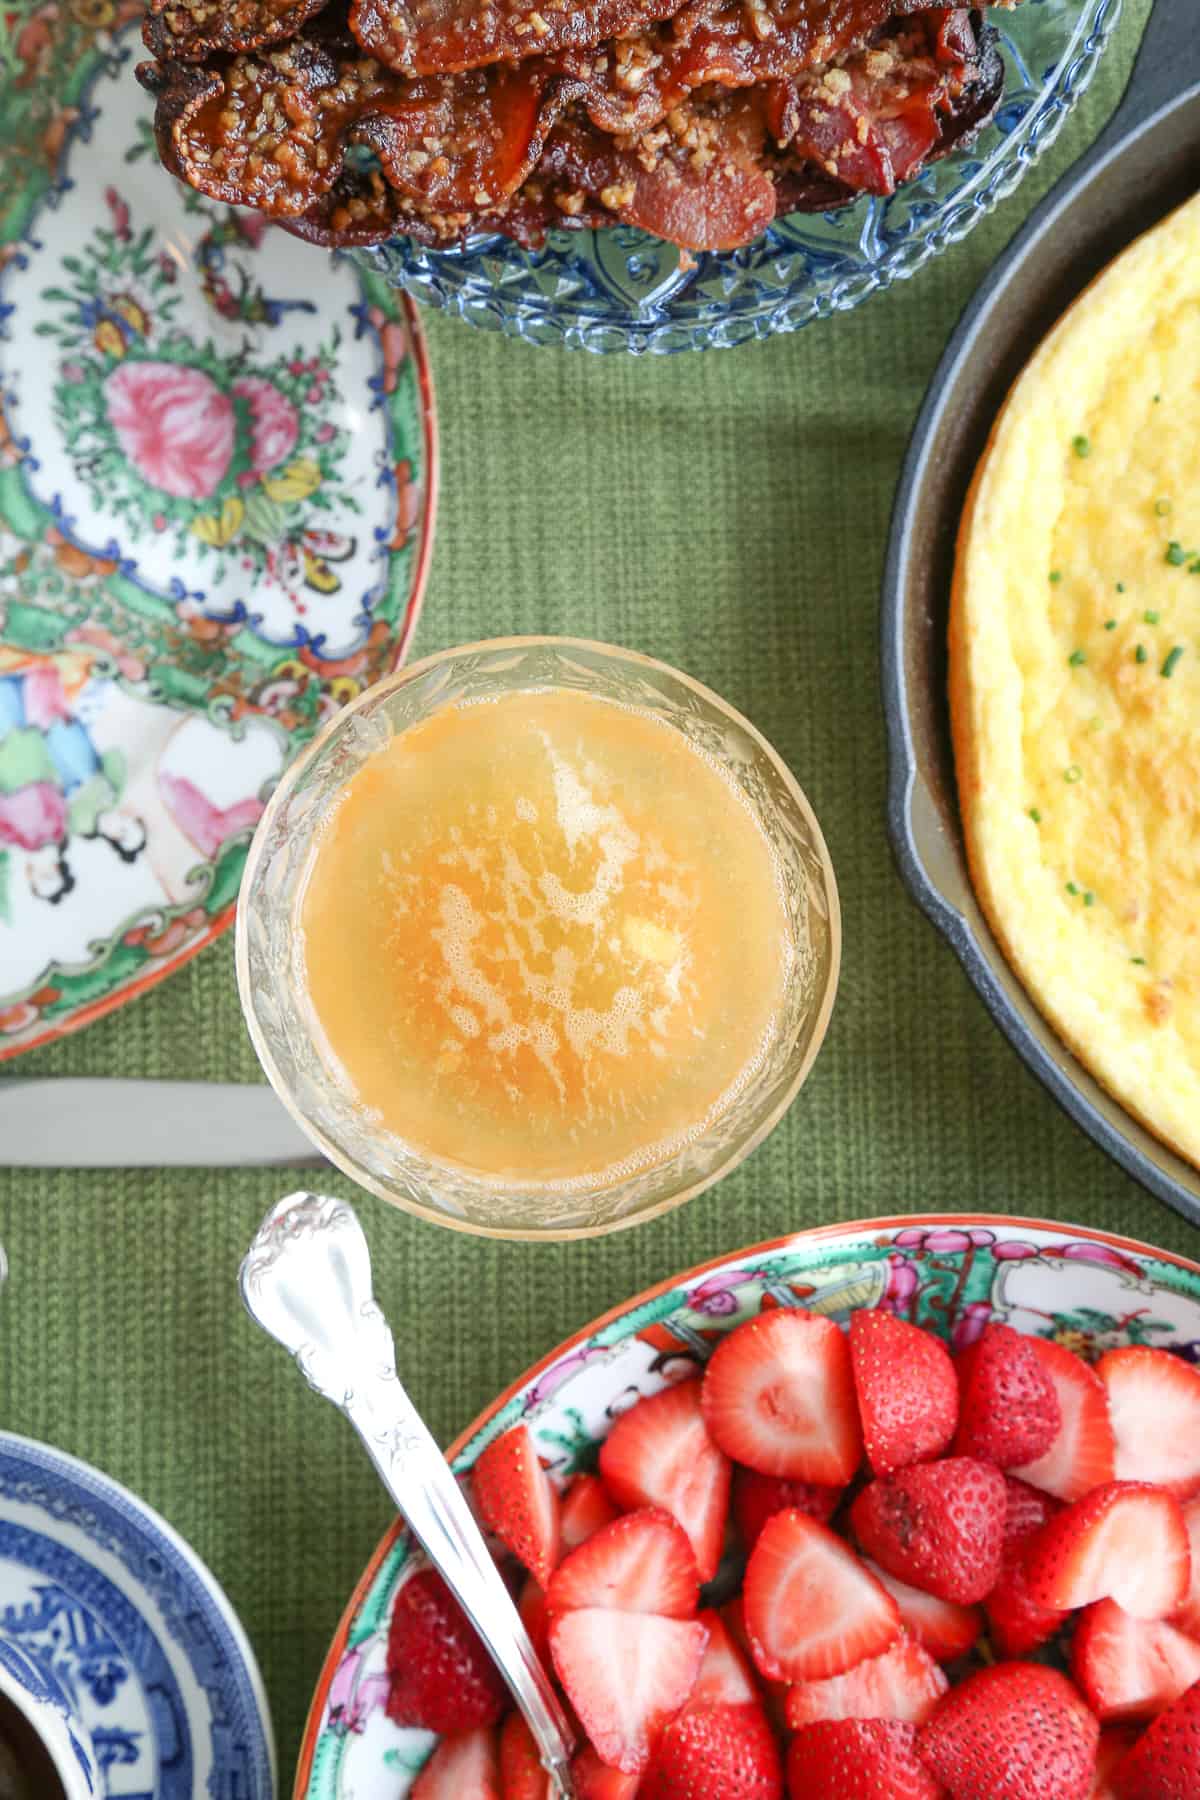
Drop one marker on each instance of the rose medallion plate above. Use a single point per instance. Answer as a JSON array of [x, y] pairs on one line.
[[111, 1603], [217, 489]]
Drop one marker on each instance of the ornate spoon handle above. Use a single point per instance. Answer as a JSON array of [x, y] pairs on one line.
[[306, 1280]]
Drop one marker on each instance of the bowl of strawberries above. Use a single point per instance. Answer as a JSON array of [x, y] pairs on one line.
[[909, 1508]]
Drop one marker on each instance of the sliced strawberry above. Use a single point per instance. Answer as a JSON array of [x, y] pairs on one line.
[[595, 1780], [522, 1776], [585, 1508], [904, 1683], [1015, 1732], [779, 1396], [642, 1562], [1125, 1542], [442, 1678], [1164, 1764], [1130, 1668], [907, 1390], [626, 1675], [1115, 1744], [1009, 1411], [1154, 1404], [725, 1677], [938, 1526], [943, 1628], [811, 1608], [462, 1767], [772, 1693], [710, 1750], [659, 1453], [1188, 1616], [532, 1607], [858, 1759], [756, 1498], [517, 1501], [1017, 1623], [1082, 1455]]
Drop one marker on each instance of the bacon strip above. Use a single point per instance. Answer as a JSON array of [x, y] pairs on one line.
[[436, 37], [191, 30]]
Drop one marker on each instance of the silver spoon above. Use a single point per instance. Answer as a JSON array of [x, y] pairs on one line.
[[306, 1280]]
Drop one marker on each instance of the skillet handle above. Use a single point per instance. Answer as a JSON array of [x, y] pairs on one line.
[[1168, 63]]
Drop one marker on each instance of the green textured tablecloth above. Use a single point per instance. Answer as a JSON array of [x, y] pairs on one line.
[[726, 512]]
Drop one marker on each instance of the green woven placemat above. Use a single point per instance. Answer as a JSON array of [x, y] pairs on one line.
[[726, 512]]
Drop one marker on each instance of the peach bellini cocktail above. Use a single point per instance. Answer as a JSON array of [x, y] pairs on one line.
[[543, 939]]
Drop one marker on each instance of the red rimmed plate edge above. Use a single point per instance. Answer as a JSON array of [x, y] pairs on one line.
[[851, 1228], [111, 1002]]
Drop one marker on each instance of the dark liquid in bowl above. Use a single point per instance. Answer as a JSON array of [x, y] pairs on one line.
[[26, 1772]]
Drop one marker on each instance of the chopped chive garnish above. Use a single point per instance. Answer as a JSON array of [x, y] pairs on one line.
[[1072, 774], [1035, 815], [1177, 555], [1194, 568], [1158, 399], [1110, 624], [1081, 445], [1056, 575], [1173, 657], [1120, 587], [1141, 654], [1071, 888], [1089, 899], [1162, 508], [1151, 618], [1077, 658], [1139, 960]]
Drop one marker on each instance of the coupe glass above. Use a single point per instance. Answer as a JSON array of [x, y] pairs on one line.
[[623, 290], [270, 955]]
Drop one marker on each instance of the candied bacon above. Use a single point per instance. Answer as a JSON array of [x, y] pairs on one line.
[[272, 132], [190, 30], [439, 37]]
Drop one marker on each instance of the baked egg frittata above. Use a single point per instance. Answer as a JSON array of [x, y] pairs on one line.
[[1075, 678]]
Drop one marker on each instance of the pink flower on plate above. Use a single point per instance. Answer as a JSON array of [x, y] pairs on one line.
[[174, 424], [274, 426]]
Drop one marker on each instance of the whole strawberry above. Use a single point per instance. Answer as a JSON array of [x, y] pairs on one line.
[[1018, 1731], [939, 1526], [1017, 1623], [1008, 1405], [1164, 1764], [710, 1750], [858, 1759], [442, 1677], [907, 1390]]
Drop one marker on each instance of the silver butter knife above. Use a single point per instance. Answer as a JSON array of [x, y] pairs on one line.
[[94, 1123]]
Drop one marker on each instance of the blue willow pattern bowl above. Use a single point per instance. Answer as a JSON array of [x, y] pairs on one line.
[[623, 290]]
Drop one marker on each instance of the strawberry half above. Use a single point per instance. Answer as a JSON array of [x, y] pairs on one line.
[[858, 1759], [442, 1678], [1154, 1404], [939, 1526], [1125, 1542], [532, 1607], [1130, 1668], [595, 1780], [1188, 1616], [943, 1628], [757, 1498], [1017, 1623], [811, 1608], [711, 1750], [1015, 1732], [778, 1396], [461, 1768], [1083, 1454], [725, 1677], [1115, 1744], [907, 1391], [522, 1776], [642, 1562], [1008, 1407], [1164, 1764], [659, 1453], [517, 1501], [584, 1509], [904, 1683], [626, 1675]]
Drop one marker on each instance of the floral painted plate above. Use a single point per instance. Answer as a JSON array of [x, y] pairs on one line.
[[953, 1273], [105, 1597], [217, 490]]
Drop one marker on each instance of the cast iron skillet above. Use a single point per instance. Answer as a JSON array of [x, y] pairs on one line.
[[1145, 163]]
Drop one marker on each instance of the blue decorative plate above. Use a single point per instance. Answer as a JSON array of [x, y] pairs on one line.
[[106, 1595], [622, 290]]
